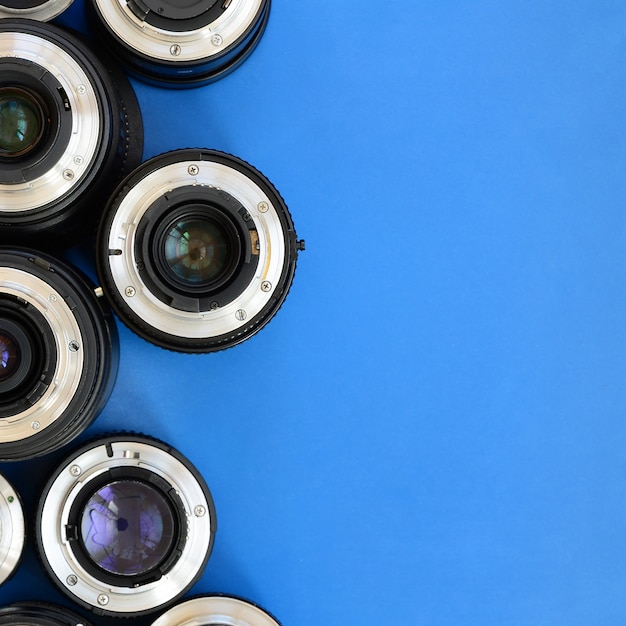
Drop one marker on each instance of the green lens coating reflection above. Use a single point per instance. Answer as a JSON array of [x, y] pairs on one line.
[[196, 250], [21, 122]]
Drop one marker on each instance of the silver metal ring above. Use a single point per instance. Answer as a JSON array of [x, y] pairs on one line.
[[80, 471], [43, 12], [68, 373], [12, 529], [186, 46], [78, 156], [218, 610]]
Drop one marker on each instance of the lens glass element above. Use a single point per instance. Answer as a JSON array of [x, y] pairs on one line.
[[10, 356], [127, 527], [196, 250], [21, 122]]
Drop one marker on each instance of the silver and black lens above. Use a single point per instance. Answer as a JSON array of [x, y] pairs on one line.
[[196, 250], [42, 10], [125, 525], [180, 43], [12, 530], [58, 353], [39, 614], [216, 610], [70, 128]]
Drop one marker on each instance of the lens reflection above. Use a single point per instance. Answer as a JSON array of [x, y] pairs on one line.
[[21, 122], [196, 250], [9, 356], [127, 527]]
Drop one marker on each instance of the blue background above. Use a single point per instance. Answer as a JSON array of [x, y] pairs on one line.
[[432, 429]]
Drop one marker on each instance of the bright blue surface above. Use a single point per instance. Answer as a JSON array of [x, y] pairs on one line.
[[432, 429]]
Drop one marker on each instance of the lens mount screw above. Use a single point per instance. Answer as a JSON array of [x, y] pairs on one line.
[[81, 89], [175, 50], [130, 291], [240, 315], [193, 170], [217, 40], [266, 285], [200, 511], [78, 159], [103, 599], [263, 207], [71, 580], [74, 346], [75, 470], [68, 175]]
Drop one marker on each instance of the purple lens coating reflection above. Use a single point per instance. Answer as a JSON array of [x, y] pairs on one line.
[[127, 527]]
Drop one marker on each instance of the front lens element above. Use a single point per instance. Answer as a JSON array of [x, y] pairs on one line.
[[196, 251], [22, 122], [127, 528]]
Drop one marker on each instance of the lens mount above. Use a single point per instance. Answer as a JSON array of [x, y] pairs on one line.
[[65, 132], [181, 43], [125, 526], [39, 614], [196, 250], [42, 10], [216, 610], [60, 346], [12, 530]]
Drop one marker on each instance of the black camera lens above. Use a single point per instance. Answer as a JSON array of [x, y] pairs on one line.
[[125, 525], [216, 610], [70, 128], [39, 614], [42, 10], [12, 530], [180, 43], [196, 250], [58, 353]]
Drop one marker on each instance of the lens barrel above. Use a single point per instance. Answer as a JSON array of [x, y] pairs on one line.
[[59, 353], [70, 129], [39, 614], [216, 610], [180, 43], [196, 250], [125, 525], [42, 10], [12, 530]]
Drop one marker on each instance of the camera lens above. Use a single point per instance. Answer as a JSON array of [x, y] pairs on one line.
[[58, 353], [125, 525], [181, 43], [70, 128], [12, 530], [216, 610], [39, 614], [196, 250], [42, 10]]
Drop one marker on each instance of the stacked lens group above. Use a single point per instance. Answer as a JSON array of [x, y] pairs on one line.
[[195, 250]]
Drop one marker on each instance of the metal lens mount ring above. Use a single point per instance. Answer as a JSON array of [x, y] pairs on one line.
[[216, 610], [92, 133], [125, 525], [58, 354], [181, 44], [42, 10], [12, 530], [39, 614], [234, 237]]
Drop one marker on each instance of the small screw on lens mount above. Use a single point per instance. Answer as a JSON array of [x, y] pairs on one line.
[[180, 44], [216, 610], [196, 250], [117, 529], [59, 353]]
